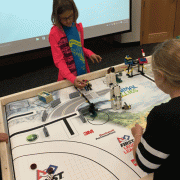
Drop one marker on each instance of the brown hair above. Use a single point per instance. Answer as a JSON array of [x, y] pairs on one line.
[[166, 58], [61, 6]]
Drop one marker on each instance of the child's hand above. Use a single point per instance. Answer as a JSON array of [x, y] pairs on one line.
[[95, 57], [137, 130], [79, 84], [3, 137]]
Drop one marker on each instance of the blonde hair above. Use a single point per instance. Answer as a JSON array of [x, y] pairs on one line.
[[60, 7], [166, 58]]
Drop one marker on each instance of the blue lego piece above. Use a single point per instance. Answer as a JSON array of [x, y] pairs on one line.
[[128, 60], [143, 59], [45, 97]]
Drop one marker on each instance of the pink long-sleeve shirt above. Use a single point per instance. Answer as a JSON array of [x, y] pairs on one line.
[[61, 52]]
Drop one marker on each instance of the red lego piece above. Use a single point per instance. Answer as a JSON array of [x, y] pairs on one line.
[[142, 60]]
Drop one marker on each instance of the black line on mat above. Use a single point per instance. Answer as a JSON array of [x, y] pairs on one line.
[[79, 156], [19, 116], [67, 141], [68, 126], [20, 132], [149, 78]]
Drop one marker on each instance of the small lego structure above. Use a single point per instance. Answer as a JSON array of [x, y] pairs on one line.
[[46, 133], [74, 95], [92, 110], [45, 97], [44, 116], [142, 61], [111, 70], [128, 61], [115, 96], [111, 77], [88, 85], [126, 107], [118, 79], [82, 117], [55, 103]]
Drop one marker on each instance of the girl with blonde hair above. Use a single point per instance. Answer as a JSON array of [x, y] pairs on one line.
[[156, 150]]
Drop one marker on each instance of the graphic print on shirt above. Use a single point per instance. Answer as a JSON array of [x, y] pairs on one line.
[[76, 48]]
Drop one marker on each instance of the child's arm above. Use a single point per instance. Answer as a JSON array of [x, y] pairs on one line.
[[3, 137], [92, 56], [137, 132], [88, 53], [59, 60], [150, 149]]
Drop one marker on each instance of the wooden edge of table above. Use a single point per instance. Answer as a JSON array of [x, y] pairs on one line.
[[60, 85], [5, 154], [6, 162], [148, 177]]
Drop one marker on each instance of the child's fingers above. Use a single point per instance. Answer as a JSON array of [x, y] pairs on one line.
[[100, 58], [80, 84], [97, 58], [92, 59]]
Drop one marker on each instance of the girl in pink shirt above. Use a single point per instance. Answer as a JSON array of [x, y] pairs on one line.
[[68, 53]]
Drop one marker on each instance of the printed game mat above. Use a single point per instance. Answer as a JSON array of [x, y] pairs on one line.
[[63, 145]]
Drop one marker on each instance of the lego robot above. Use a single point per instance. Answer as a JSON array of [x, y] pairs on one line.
[[88, 85], [115, 96], [130, 62], [142, 61]]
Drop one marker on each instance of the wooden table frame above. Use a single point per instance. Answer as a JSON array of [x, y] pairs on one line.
[[5, 152]]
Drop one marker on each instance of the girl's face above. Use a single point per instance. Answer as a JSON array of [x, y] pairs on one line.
[[67, 18]]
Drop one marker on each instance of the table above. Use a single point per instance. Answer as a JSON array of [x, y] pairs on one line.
[[75, 148]]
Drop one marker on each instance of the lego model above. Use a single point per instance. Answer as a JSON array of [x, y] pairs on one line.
[[55, 103], [82, 117], [118, 79], [88, 85], [142, 61], [46, 133], [115, 96], [92, 110], [74, 95], [44, 116], [111, 77], [45, 97], [126, 107], [130, 62]]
